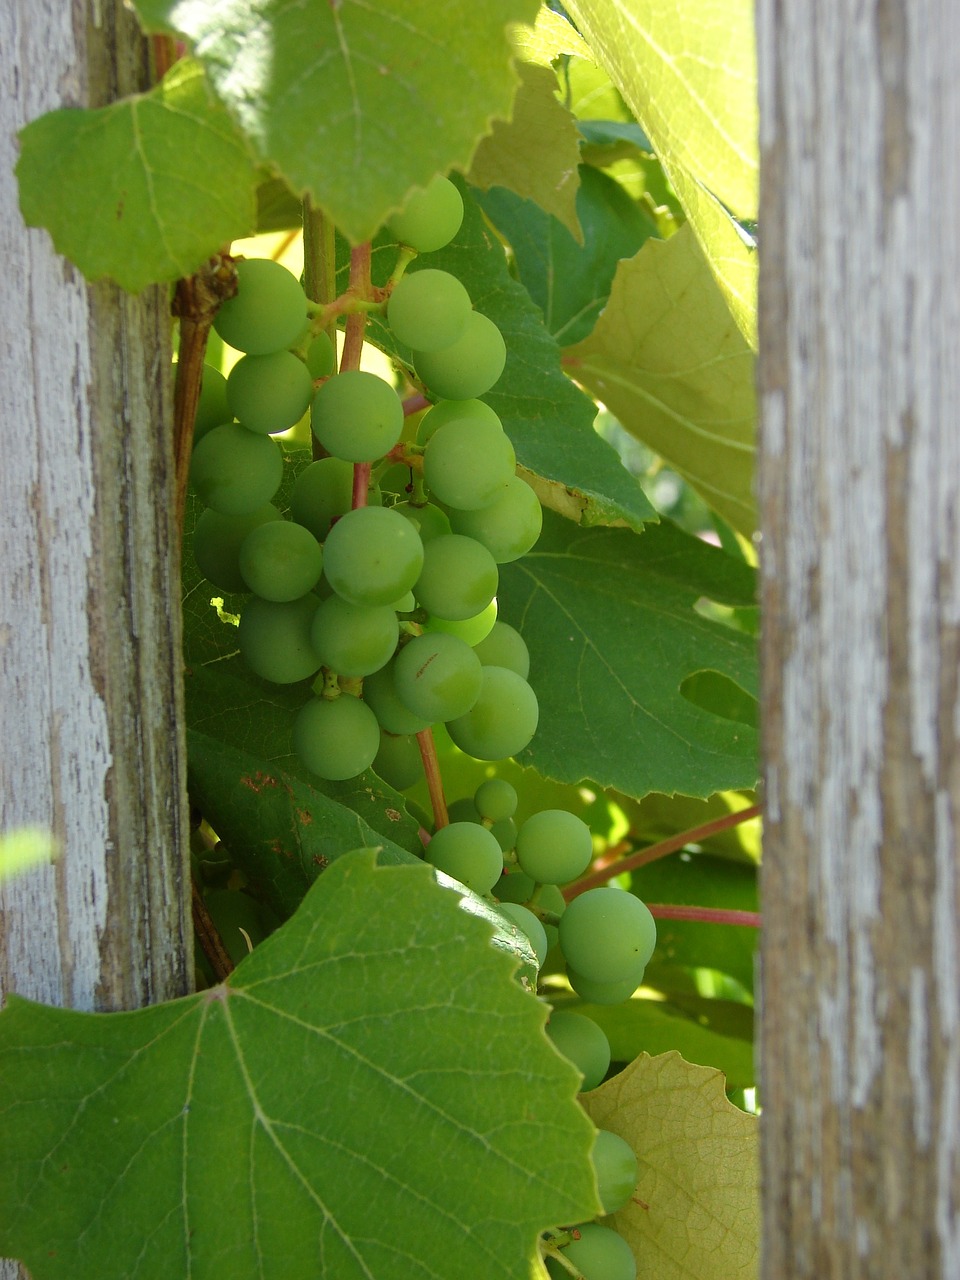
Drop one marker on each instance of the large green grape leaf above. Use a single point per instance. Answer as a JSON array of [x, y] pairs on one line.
[[569, 282], [668, 360], [609, 618], [537, 153], [355, 103], [144, 190], [695, 1214], [369, 1094]]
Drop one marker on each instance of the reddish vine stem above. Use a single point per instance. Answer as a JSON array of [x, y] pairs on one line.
[[431, 771], [209, 937], [357, 321], [707, 915], [660, 850]]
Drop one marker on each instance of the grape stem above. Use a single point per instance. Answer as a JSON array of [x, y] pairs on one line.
[[358, 289], [208, 936], [431, 771], [695, 835], [706, 915]]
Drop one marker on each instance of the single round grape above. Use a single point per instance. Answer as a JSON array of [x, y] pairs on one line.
[[469, 853], [428, 309], [505, 831], [505, 647], [462, 810], [459, 577], [428, 520], [274, 638], [234, 470], [268, 312], [473, 630], [354, 639], [467, 462], [281, 560], [509, 527], [321, 356], [502, 720], [322, 492], [269, 393], [381, 695], [528, 924], [445, 411], [554, 846], [372, 556], [604, 993], [212, 407], [607, 934], [598, 1254], [437, 677], [398, 762], [357, 416], [580, 1039], [495, 798], [217, 540], [336, 738], [615, 1165], [470, 366], [430, 218]]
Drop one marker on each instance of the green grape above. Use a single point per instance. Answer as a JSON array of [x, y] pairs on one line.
[[217, 540], [268, 312], [354, 639], [467, 368], [607, 934], [615, 1165], [518, 887], [509, 526], [467, 852], [372, 556], [505, 647], [212, 407], [430, 218], [321, 357], [473, 630], [428, 310], [322, 492], [459, 577], [397, 480], [502, 720], [554, 846], [336, 738], [445, 411], [357, 416], [598, 1254], [398, 762], [428, 520], [274, 638], [280, 560], [579, 1038], [462, 810], [467, 462], [381, 695], [604, 993], [495, 798], [528, 924], [234, 470], [437, 677], [269, 393]]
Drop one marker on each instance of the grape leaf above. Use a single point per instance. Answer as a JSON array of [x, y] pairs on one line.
[[570, 283], [551, 35], [695, 1214], [141, 191], [667, 359], [537, 153], [355, 103], [609, 620], [369, 1094]]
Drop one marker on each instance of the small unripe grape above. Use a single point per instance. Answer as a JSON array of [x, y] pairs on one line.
[[428, 310], [428, 520], [281, 560], [528, 923], [604, 993], [598, 1254], [269, 393], [502, 720], [467, 462], [336, 738], [472, 630], [381, 695], [469, 853], [509, 527], [322, 492], [212, 407], [398, 762], [430, 218], [268, 312], [583, 1042], [505, 647], [217, 540], [445, 411], [459, 577], [321, 357], [372, 556], [357, 416], [554, 846], [353, 639], [470, 366], [437, 677], [607, 934], [234, 470], [615, 1165], [274, 638], [495, 799]]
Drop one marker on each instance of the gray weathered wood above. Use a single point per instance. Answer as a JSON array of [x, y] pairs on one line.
[[860, 497]]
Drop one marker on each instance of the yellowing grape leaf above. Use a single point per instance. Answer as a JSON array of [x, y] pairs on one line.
[[370, 1094], [668, 360], [695, 1214], [144, 190]]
